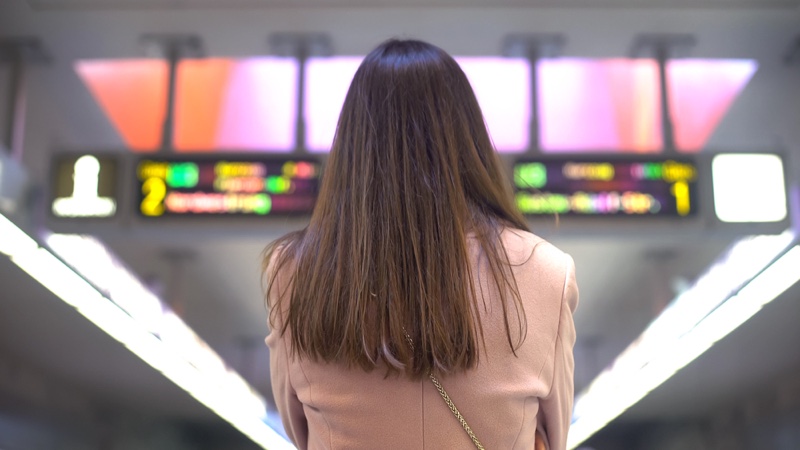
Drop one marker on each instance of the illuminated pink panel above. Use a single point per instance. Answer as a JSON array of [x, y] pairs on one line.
[[260, 106], [700, 93], [327, 81], [599, 105], [502, 86]]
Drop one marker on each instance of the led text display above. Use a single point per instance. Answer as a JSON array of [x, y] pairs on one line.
[[596, 187], [227, 186]]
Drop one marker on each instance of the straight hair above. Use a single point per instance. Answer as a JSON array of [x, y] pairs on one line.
[[411, 177]]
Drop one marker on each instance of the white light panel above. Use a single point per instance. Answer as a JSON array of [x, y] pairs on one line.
[[749, 188], [501, 85], [85, 201]]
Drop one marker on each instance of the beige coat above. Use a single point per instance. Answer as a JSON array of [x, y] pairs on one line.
[[504, 399]]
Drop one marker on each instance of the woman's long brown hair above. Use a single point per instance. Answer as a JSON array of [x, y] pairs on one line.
[[412, 175]]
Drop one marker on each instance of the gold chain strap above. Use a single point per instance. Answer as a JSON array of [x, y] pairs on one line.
[[455, 411], [450, 403]]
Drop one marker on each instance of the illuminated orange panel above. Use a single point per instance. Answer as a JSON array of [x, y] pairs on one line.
[[133, 94], [634, 88], [199, 98]]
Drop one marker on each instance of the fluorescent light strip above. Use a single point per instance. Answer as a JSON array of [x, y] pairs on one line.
[[97, 264], [742, 262], [644, 366], [189, 363]]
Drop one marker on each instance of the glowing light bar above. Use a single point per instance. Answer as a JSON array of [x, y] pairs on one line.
[[597, 187], [249, 104], [734, 289], [220, 104], [599, 105], [503, 89], [147, 328], [749, 187], [327, 81], [132, 94], [614, 104], [701, 91], [236, 104], [90, 258], [501, 85]]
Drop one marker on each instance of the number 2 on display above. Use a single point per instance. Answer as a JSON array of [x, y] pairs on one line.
[[154, 190]]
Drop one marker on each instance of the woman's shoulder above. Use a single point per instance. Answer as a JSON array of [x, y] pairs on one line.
[[524, 247], [549, 265]]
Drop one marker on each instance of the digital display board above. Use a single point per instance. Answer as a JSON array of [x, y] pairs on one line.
[[227, 185], [84, 186], [593, 186]]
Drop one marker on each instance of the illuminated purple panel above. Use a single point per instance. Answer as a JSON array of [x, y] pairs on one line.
[[501, 85], [327, 81], [573, 110], [701, 92], [259, 109], [603, 105]]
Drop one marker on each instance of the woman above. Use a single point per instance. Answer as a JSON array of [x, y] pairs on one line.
[[416, 261]]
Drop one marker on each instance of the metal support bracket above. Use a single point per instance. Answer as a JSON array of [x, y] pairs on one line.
[[662, 48], [19, 53], [534, 47], [172, 48], [300, 46]]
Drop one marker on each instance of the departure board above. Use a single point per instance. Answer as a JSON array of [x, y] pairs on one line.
[[227, 186], [590, 186]]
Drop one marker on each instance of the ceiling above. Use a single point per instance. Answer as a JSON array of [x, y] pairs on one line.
[[625, 277], [187, 4]]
